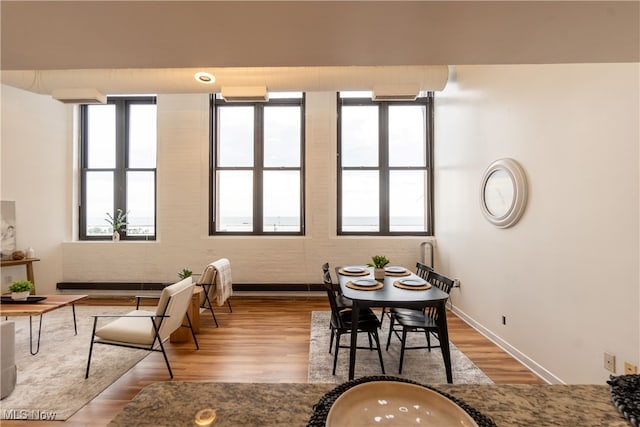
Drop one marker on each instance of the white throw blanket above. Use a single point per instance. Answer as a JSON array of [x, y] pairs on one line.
[[218, 273]]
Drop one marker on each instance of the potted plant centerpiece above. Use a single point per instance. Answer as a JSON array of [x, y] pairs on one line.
[[117, 223], [379, 261], [20, 290], [184, 273]]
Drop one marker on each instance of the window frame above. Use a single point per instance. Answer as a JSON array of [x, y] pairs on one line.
[[258, 167], [121, 168], [383, 167]]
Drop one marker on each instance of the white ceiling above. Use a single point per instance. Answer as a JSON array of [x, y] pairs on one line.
[[63, 35]]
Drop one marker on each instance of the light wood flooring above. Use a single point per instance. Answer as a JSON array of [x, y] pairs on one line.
[[264, 339]]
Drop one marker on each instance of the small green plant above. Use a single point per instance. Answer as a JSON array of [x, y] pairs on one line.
[[118, 222], [21, 286], [184, 273], [379, 261]]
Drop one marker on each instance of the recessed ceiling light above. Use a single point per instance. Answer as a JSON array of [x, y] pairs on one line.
[[204, 77]]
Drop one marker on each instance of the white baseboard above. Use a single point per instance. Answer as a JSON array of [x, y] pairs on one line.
[[529, 363]]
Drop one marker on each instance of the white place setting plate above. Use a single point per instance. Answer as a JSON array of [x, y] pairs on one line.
[[395, 269], [365, 282], [412, 282], [354, 269]]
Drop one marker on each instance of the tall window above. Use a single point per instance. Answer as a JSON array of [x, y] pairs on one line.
[[118, 168], [258, 170], [384, 166]]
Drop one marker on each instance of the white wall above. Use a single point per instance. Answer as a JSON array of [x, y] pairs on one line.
[[566, 276], [36, 172], [183, 137]]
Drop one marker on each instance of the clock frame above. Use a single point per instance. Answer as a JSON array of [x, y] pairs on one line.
[[503, 193]]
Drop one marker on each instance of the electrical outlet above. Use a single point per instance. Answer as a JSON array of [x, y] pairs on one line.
[[610, 362], [504, 320], [456, 283], [630, 369]]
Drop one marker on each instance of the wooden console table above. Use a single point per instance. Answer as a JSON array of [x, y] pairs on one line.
[[28, 262], [183, 334]]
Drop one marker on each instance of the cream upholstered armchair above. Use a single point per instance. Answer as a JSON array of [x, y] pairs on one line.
[[217, 285], [9, 371], [144, 329]]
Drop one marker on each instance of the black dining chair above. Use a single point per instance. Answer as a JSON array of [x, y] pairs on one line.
[[342, 301], [406, 321], [340, 324], [422, 270]]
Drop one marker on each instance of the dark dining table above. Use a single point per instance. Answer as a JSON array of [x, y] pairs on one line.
[[391, 296]]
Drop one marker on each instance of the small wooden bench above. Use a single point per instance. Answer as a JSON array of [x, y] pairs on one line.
[[183, 334]]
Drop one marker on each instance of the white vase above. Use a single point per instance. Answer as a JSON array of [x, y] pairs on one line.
[[30, 253], [20, 296], [115, 236]]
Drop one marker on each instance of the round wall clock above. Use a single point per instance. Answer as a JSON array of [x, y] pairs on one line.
[[503, 193]]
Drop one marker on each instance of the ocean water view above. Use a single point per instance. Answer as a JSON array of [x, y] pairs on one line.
[[142, 226], [146, 226], [292, 224]]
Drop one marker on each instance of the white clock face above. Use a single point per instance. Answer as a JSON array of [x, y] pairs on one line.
[[503, 192], [498, 193]]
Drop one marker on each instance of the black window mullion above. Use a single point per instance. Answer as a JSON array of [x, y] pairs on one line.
[[213, 156], [213, 163], [383, 166], [340, 104], [84, 162], [301, 165], [429, 164], [119, 176], [258, 169]]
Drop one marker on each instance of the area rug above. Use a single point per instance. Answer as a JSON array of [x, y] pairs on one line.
[[51, 384], [419, 365]]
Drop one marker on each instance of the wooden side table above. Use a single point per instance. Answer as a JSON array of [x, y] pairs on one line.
[[184, 334], [28, 263]]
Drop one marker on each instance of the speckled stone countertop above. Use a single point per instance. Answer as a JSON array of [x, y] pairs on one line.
[[259, 404]]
